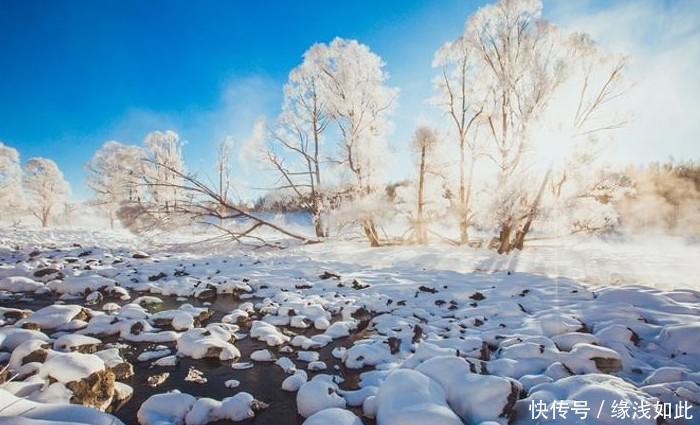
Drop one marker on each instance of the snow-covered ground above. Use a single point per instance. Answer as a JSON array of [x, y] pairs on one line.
[[345, 334]]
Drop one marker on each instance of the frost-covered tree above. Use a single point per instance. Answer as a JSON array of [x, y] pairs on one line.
[[295, 151], [522, 67], [223, 168], [358, 102], [582, 116], [114, 174], [424, 141], [163, 169], [46, 188], [511, 71], [460, 95], [11, 195]]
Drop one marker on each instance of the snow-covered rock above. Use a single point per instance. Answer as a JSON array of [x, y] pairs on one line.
[[33, 413], [211, 341], [593, 389], [335, 416], [317, 395], [408, 397], [475, 398]]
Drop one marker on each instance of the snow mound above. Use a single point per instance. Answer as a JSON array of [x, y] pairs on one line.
[[183, 409], [33, 413], [212, 341], [317, 395], [408, 397], [594, 390], [335, 416]]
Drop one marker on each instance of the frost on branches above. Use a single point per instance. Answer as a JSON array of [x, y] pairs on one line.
[[47, 190]]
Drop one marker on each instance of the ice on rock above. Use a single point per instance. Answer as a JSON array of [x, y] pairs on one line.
[[671, 374], [527, 356], [11, 338], [675, 394], [369, 407], [212, 341], [152, 355], [116, 363], [529, 381], [20, 284], [308, 356], [425, 351], [471, 346], [165, 409], [262, 356], [305, 342], [321, 323], [286, 364], [56, 316], [316, 366], [268, 333], [357, 397], [587, 358], [341, 329], [167, 361], [75, 342], [681, 341], [34, 413], [235, 316], [78, 285], [179, 320], [614, 336], [408, 397], [300, 322], [294, 382], [70, 367], [551, 324], [338, 352], [93, 298], [23, 350], [335, 416], [236, 408], [317, 395], [277, 320], [475, 398], [232, 287], [132, 311], [232, 383], [366, 354], [556, 371], [593, 389], [146, 300], [55, 393]]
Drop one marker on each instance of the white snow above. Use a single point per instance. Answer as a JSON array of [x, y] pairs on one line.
[[445, 343], [317, 395], [408, 397], [34, 413], [179, 408], [335, 416]]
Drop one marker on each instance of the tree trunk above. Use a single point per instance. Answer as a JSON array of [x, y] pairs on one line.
[[370, 232], [421, 232], [504, 239], [318, 227], [519, 241], [45, 213], [463, 222]]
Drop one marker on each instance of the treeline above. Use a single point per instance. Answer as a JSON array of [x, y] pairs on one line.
[[663, 197], [511, 88]]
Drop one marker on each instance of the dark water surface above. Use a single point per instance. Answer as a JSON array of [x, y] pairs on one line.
[[263, 381]]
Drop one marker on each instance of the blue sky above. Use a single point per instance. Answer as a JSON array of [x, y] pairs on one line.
[[74, 74]]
